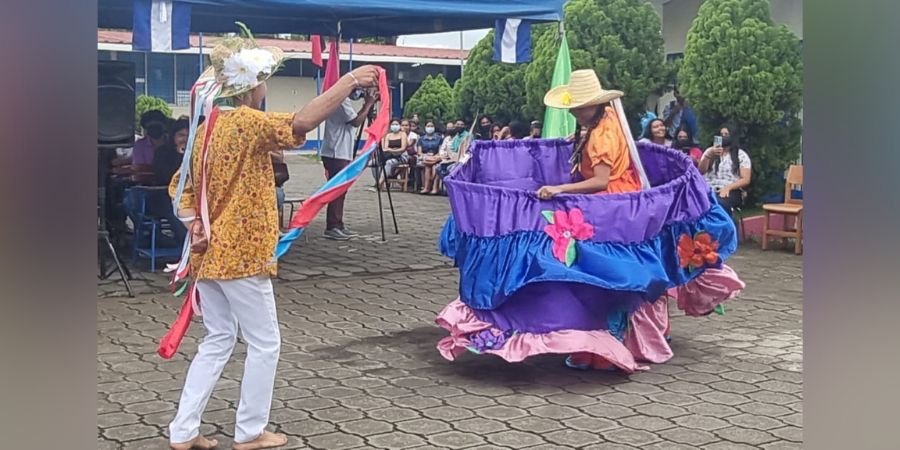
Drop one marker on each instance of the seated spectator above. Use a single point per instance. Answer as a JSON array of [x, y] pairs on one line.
[[412, 139], [518, 130], [727, 169], [443, 152], [393, 152], [657, 133], [684, 141], [450, 156], [484, 132], [428, 158], [536, 130], [166, 161], [495, 131]]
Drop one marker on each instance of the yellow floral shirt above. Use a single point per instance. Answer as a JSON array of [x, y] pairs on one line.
[[240, 192]]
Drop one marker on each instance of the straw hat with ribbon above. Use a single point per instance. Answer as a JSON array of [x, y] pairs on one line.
[[240, 64], [584, 89]]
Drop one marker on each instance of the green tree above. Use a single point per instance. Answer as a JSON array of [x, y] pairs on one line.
[[620, 39], [146, 103], [493, 88], [433, 100], [739, 67]]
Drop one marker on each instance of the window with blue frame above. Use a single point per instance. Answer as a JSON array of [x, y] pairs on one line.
[[161, 76]]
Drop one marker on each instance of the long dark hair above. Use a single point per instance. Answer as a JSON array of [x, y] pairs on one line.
[[648, 132], [733, 150], [580, 144]]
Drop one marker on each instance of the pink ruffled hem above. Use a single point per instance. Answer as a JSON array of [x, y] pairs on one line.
[[460, 321], [712, 288], [644, 341]]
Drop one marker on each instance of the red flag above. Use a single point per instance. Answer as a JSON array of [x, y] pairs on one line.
[[333, 70], [316, 49]]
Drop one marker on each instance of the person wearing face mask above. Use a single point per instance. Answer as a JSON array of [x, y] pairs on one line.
[[428, 147], [393, 152], [728, 169], [485, 124], [684, 141], [154, 124]]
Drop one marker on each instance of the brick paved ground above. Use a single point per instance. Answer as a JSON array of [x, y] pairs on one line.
[[359, 368]]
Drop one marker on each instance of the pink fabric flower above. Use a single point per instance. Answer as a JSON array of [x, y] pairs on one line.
[[565, 228]]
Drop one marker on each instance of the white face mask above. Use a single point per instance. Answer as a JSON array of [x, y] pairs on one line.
[[429, 130], [395, 128]]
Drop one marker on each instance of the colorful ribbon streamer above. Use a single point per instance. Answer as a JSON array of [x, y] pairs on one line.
[[340, 183]]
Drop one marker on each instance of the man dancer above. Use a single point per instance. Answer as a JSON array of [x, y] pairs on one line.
[[336, 153], [233, 261]]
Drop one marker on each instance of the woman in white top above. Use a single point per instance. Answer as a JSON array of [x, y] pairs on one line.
[[727, 170]]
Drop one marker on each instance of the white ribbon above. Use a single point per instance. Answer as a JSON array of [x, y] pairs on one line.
[[632, 147]]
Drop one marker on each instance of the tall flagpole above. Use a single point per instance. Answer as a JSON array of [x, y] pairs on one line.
[[461, 62]]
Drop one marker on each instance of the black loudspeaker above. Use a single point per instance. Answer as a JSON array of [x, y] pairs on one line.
[[115, 103]]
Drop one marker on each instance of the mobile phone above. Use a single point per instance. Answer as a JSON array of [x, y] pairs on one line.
[[717, 141]]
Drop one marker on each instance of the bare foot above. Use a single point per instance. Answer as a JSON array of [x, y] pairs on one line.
[[198, 443], [265, 440]]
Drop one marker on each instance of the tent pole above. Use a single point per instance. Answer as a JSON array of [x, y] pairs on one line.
[[351, 54], [201, 53]]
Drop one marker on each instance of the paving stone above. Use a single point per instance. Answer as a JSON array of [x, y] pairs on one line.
[[745, 436], [455, 439], [648, 423], [423, 426], [688, 436], [500, 412], [515, 439], [366, 427], [132, 432], [393, 414], [698, 422], [336, 441], [480, 426], [637, 438], [755, 422], [590, 424], [395, 440]]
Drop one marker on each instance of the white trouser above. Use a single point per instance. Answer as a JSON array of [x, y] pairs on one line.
[[248, 303]]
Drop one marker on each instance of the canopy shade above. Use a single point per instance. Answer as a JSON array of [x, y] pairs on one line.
[[358, 18]]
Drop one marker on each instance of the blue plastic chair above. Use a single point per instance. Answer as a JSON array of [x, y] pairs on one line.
[[135, 203]]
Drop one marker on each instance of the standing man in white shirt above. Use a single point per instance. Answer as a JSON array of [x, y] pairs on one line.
[[337, 152]]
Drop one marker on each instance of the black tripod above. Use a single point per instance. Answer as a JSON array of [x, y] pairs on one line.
[[105, 245], [379, 165]]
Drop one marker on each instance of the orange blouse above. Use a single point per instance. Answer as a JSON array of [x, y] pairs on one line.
[[607, 145]]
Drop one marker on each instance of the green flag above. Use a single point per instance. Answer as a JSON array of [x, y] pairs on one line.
[[559, 123]]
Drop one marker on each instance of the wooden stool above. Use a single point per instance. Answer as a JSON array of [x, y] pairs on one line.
[[402, 177]]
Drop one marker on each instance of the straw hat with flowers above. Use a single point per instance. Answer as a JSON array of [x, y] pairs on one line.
[[584, 89], [239, 64]]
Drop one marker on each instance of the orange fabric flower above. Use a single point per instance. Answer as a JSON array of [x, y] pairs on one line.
[[697, 251]]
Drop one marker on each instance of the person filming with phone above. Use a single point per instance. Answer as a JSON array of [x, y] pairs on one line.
[[727, 169]]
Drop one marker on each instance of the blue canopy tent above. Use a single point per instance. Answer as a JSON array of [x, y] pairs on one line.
[[355, 18]]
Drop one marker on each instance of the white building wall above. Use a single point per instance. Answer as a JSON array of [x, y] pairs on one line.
[[290, 94]]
